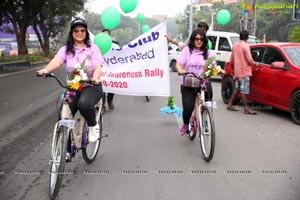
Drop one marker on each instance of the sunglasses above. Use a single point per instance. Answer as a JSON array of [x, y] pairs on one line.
[[199, 39], [79, 30]]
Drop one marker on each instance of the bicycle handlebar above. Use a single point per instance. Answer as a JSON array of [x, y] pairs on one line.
[[62, 83], [192, 73]]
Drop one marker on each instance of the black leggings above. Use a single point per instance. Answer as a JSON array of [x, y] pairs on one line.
[[188, 95], [85, 102]]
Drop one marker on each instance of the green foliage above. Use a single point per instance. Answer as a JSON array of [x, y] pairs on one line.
[[171, 102], [294, 35], [30, 58]]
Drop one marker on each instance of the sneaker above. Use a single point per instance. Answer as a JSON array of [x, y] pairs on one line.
[[183, 129], [68, 157], [94, 133], [111, 105]]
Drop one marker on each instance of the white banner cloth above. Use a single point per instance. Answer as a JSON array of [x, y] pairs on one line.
[[139, 68]]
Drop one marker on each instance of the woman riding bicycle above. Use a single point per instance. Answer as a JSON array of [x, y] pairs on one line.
[[79, 50], [192, 59]]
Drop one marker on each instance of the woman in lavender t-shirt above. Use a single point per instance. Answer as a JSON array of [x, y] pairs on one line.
[[79, 48], [192, 59]]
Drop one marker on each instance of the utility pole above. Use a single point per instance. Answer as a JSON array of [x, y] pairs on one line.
[[248, 20]]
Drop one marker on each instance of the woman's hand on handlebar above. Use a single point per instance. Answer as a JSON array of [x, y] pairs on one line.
[[95, 82], [42, 72], [181, 71]]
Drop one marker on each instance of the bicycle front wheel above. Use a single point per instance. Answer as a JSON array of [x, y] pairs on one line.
[[90, 151], [207, 134], [58, 162]]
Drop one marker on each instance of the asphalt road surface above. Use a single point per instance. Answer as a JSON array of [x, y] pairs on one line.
[[144, 157]]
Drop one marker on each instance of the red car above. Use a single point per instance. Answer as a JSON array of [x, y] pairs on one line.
[[276, 80]]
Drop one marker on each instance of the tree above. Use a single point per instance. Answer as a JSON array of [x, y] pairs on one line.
[[54, 16], [294, 35], [20, 14]]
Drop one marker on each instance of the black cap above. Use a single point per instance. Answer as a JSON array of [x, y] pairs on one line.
[[78, 21]]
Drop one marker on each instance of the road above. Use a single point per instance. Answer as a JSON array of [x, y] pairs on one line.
[[144, 157]]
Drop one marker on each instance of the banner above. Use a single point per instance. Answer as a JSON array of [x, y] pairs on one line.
[[139, 68]]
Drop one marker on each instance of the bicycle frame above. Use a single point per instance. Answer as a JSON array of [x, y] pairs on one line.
[[199, 100], [78, 134]]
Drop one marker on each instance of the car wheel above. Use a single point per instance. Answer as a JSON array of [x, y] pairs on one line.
[[227, 90], [295, 107], [173, 65]]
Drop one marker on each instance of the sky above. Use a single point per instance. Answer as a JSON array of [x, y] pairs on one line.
[[146, 7]]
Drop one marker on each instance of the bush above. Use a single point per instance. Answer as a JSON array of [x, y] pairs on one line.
[[30, 58]]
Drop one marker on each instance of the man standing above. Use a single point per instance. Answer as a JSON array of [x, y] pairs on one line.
[[241, 61]]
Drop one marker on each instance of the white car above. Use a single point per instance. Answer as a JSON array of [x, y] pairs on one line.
[[222, 43]]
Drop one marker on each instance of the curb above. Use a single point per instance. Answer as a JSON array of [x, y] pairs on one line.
[[10, 67]]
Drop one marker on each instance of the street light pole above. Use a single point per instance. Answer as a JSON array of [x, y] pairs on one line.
[[212, 20], [191, 18]]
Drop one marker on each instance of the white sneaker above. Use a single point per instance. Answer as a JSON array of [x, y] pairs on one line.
[[94, 133]]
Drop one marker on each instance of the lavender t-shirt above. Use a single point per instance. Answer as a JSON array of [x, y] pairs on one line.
[[92, 56], [192, 62]]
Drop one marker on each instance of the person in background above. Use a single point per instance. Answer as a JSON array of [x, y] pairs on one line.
[[79, 49], [241, 61], [192, 59], [201, 25], [110, 96]]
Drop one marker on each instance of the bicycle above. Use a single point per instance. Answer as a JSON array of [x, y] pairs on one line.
[[202, 121], [69, 137]]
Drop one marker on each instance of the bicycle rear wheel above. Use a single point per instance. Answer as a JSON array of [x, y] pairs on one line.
[[207, 134], [58, 162], [90, 150]]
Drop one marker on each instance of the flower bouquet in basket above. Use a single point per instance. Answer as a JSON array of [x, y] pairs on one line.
[[77, 77], [211, 68]]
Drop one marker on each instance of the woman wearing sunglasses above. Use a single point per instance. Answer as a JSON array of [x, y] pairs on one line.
[[79, 50], [192, 59]]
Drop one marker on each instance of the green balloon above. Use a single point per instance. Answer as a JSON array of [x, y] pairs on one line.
[[110, 18], [128, 5], [223, 17], [209, 44], [140, 18], [145, 28], [103, 41]]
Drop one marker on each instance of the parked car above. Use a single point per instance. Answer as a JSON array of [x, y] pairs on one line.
[[222, 43], [276, 80], [173, 54]]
